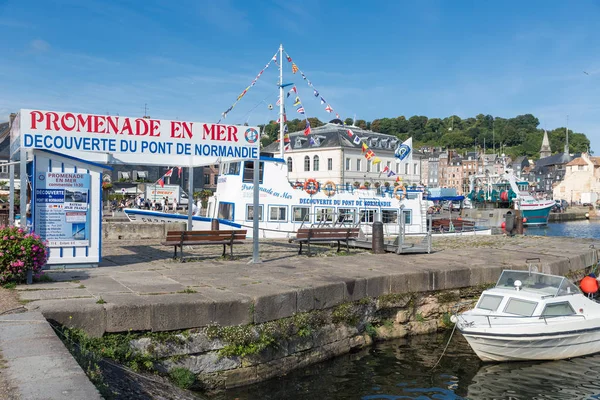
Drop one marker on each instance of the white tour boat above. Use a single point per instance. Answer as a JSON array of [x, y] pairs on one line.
[[532, 316], [284, 207]]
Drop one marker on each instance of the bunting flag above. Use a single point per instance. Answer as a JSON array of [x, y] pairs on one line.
[[323, 101], [168, 173], [289, 59], [300, 110], [377, 160], [293, 89], [224, 114], [285, 128], [316, 93], [287, 147], [328, 108], [386, 169], [294, 68], [398, 179], [278, 102], [364, 147], [179, 172], [357, 140], [369, 154], [307, 129], [311, 141], [391, 173], [303, 76], [284, 119], [161, 182], [404, 150], [297, 102], [350, 133], [337, 115]]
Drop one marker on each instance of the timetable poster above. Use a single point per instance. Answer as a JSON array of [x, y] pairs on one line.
[[62, 208]]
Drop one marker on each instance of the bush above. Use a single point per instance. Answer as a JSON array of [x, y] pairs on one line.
[[19, 253]]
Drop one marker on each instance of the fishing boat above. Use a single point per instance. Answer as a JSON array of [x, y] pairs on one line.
[[532, 316], [506, 190]]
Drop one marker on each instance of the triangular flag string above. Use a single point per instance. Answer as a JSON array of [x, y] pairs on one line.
[[224, 114]]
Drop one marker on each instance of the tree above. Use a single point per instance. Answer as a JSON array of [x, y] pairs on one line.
[[402, 124]]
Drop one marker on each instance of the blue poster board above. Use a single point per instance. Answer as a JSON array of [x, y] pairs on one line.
[[62, 208]]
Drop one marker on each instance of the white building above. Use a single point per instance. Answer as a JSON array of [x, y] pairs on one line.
[[329, 153], [582, 175]]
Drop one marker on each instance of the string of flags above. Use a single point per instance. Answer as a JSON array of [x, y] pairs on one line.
[[168, 174], [224, 114]]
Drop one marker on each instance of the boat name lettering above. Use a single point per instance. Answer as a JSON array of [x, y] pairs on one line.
[[270, 191]]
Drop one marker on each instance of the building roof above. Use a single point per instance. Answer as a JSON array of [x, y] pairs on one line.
[[4, 140], [334, 135], [555, 159], [581, 161]]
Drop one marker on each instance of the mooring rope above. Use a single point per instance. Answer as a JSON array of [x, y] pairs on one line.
[[445, 348]]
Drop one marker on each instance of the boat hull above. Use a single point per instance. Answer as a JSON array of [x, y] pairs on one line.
[[536, 215], [555, 346]]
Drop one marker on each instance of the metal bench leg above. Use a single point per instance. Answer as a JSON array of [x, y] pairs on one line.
[[175, 253], [181, 253], [223, 255], [338, 250], [300, 251], [348, 245], [231, 250], [308, 247]]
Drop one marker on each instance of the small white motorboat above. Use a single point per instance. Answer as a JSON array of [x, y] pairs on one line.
[[533, 316]]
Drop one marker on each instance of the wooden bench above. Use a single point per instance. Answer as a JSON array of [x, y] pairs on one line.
[[312, 235], [189, 238]]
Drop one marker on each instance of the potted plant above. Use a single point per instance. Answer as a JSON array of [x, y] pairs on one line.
[[22, 255], [356, 184], [377, 185]]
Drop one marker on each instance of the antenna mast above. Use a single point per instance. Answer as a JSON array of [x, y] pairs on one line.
[[281, 107]]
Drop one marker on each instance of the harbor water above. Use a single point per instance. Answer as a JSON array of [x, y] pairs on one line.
[[409, 368]]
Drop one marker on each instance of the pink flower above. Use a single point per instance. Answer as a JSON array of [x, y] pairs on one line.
[[12, 237], [5, 237]]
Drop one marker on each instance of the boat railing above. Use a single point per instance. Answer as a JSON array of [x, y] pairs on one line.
[[532, 318]]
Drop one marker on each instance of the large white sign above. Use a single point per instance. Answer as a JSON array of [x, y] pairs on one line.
[[137, 140]]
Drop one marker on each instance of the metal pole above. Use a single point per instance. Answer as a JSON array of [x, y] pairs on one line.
[[190, 196], [23, 194], [281, 108], [256, 213], [11, 195]]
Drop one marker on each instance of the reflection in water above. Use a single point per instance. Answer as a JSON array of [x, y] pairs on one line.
[[401, 369], [578, 378]]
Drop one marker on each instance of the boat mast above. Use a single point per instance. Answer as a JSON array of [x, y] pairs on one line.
[[281, 108]]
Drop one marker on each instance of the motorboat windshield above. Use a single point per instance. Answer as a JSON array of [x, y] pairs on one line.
[[546, 285]]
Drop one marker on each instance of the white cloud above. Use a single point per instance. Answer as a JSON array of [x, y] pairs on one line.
[[39, 45]]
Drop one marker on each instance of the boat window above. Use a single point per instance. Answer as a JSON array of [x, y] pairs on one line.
[[233, 168], [290, 164], [520, 307], [324, 214], [250, 212], [346, 216], [558, 309], [249, 171], [567, 287], [226, 211], [489, 302], [407, 216], [367, 215], [300, 214], [277, 213], [389, 216]]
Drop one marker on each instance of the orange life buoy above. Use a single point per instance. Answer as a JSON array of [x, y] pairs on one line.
[[396, 195], [311, 186], [329, 188]]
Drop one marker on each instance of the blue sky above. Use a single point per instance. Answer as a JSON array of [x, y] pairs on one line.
[[189, 60]]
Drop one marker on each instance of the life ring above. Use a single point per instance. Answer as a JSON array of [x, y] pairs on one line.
[[311, 186], [396, 195], [329, 188]]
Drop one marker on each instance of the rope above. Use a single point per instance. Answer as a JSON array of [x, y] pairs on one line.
[[445, 348]]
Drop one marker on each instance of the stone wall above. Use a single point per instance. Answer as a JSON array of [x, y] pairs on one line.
[[133, 231], [225, 357]]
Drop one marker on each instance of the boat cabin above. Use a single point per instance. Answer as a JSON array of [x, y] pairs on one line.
[[526, 294]]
